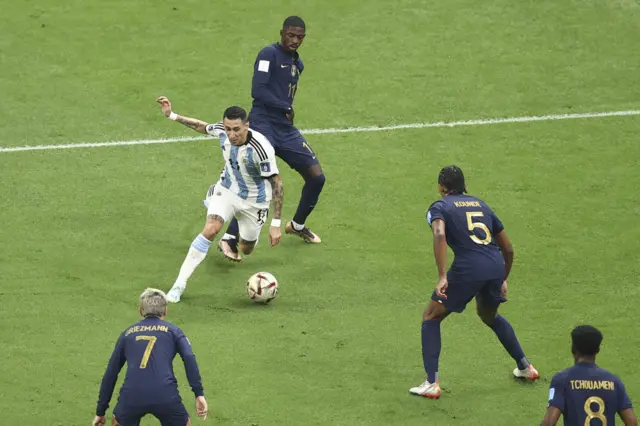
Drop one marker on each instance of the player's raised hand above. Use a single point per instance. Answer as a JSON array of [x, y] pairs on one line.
[[99, 421], [165, 103], [274, 235], [441, 288], [504, 288], [201, 407]]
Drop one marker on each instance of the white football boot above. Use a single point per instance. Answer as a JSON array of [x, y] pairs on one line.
[[426, 389], [174, 294], [529, 373]]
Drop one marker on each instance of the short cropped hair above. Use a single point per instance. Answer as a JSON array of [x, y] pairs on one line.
[[153, 303], [586, 339], [293, 21], [235, 113], [452, 178]]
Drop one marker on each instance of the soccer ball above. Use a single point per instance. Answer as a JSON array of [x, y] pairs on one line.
[[262, 287]]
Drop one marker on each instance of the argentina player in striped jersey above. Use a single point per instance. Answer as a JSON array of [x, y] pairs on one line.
[[249, 182]]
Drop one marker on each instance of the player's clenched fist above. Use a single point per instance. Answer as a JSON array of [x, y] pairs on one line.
[[165, 103]]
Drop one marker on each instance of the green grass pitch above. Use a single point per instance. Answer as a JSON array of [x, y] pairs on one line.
[[84, 231]]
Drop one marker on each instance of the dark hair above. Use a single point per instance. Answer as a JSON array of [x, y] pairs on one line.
[[293, 21], [586, 340], [452, 178], [235, 113]]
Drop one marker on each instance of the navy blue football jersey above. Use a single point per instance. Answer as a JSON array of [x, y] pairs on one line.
[[470, 227], [148, 347], [588, 395], [275, 81]]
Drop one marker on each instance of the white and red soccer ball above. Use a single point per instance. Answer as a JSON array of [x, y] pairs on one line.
[[262, 287]]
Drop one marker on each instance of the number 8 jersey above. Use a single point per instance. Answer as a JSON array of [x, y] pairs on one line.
[[588, 395], [248, 166], [470, 227]]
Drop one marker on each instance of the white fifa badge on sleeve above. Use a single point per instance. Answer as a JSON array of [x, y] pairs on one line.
[[429, 218], [552, 393], [263, 66]]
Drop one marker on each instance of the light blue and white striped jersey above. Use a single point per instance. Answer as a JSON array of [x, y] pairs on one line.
[[246, 167]]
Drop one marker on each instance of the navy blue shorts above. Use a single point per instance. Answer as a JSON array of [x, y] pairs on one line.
[[287, 141], [172, 414], [460, 293]]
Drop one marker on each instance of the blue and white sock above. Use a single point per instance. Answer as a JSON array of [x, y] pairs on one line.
[[197, 253]]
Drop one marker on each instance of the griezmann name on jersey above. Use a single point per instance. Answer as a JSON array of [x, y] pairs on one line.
[[588, 394], [248, 166], [149, 347], [470, 226]]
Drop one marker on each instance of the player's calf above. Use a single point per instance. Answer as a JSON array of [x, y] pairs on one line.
[[197, 253]]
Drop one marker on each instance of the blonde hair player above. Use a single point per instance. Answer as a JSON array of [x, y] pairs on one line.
[[150, 387]]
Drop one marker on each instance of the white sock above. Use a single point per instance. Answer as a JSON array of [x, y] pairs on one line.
[[228, 237], [197, 253], [296, 226]]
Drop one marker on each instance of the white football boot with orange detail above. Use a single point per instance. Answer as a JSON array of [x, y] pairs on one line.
[[426, 389], [529, 373]]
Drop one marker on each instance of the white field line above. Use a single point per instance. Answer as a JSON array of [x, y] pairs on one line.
[[524, 119]]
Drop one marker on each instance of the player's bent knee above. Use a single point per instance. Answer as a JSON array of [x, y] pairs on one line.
[[488, 316], [212, 227], [433, 311], [247, 246]]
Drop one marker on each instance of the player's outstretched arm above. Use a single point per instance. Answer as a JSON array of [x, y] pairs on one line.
[[502, 239], [552, 417], [192, 123], [628, 417], [277, 202]]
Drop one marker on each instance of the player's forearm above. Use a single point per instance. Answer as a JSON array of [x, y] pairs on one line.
[[278, 196], [440, 253], [508, 262], [192, 123], [106, 392], [193, 374]]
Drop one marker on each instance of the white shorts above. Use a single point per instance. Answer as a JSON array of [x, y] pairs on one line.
[[251, 216]]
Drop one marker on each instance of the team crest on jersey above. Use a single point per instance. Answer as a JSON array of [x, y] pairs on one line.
[[294, 70]]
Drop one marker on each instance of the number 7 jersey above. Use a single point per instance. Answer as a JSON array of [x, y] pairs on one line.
[[247, 167], [470, 227]]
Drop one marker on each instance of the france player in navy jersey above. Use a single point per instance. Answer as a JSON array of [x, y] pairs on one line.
[[150, 387], [276, 72], [585, 394], [483, 256]]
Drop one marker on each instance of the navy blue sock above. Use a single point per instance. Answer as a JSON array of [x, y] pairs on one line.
[[508, 338], [431, 348], [234, 230], [310, 195]]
